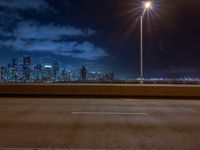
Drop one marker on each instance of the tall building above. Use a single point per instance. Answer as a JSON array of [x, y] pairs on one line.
[[38, 72], [26, 67], [27, 60], [9, 73], [15, 68], [14, 62], [55, 69], [3, 73], [83, 73], [47, 73]]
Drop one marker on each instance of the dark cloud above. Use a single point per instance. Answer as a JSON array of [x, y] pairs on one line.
[[27, 35], [24, 4], [34, 30], [31, 36], [87, 50]]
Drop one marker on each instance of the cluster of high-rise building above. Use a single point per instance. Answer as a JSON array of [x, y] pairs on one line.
[[21, 70]]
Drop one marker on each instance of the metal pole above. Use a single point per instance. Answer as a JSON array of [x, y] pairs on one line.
[[141, 49]]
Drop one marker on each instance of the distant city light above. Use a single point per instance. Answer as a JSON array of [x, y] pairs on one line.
[[24, 71], [47, 66]]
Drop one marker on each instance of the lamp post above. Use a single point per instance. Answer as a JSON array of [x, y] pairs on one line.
[[147, 6]]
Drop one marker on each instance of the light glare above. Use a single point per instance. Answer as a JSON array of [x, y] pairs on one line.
[[147, 4]]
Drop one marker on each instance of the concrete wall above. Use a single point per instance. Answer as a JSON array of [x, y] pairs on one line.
[[99, 90]]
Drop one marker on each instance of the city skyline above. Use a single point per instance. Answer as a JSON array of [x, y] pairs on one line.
[[22, 70], [103, 35]]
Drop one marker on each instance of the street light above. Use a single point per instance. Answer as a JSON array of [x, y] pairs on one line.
[[146, 6]]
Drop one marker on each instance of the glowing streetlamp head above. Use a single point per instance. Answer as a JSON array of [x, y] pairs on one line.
[[147, 4]]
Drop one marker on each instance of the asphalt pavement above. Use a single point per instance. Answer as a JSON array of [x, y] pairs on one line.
[[142, 124]]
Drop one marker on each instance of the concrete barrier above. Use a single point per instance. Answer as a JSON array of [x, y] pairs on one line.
[[99, 90]]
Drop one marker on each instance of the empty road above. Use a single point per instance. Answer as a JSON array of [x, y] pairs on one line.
[[99, 123]]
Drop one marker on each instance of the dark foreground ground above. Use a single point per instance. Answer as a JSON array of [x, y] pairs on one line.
[[99, 124]]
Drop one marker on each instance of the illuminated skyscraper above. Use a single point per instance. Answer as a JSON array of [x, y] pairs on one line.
[[83, 73], [38, 72], [14, 62], [15, 68], [9, 73], [26, 67], [47, 73], [55, 69], [3, 73], [27, 60]]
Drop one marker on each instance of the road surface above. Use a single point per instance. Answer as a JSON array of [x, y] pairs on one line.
[[99, 123]]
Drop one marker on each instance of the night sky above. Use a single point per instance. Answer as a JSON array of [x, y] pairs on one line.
[[103, 35]]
